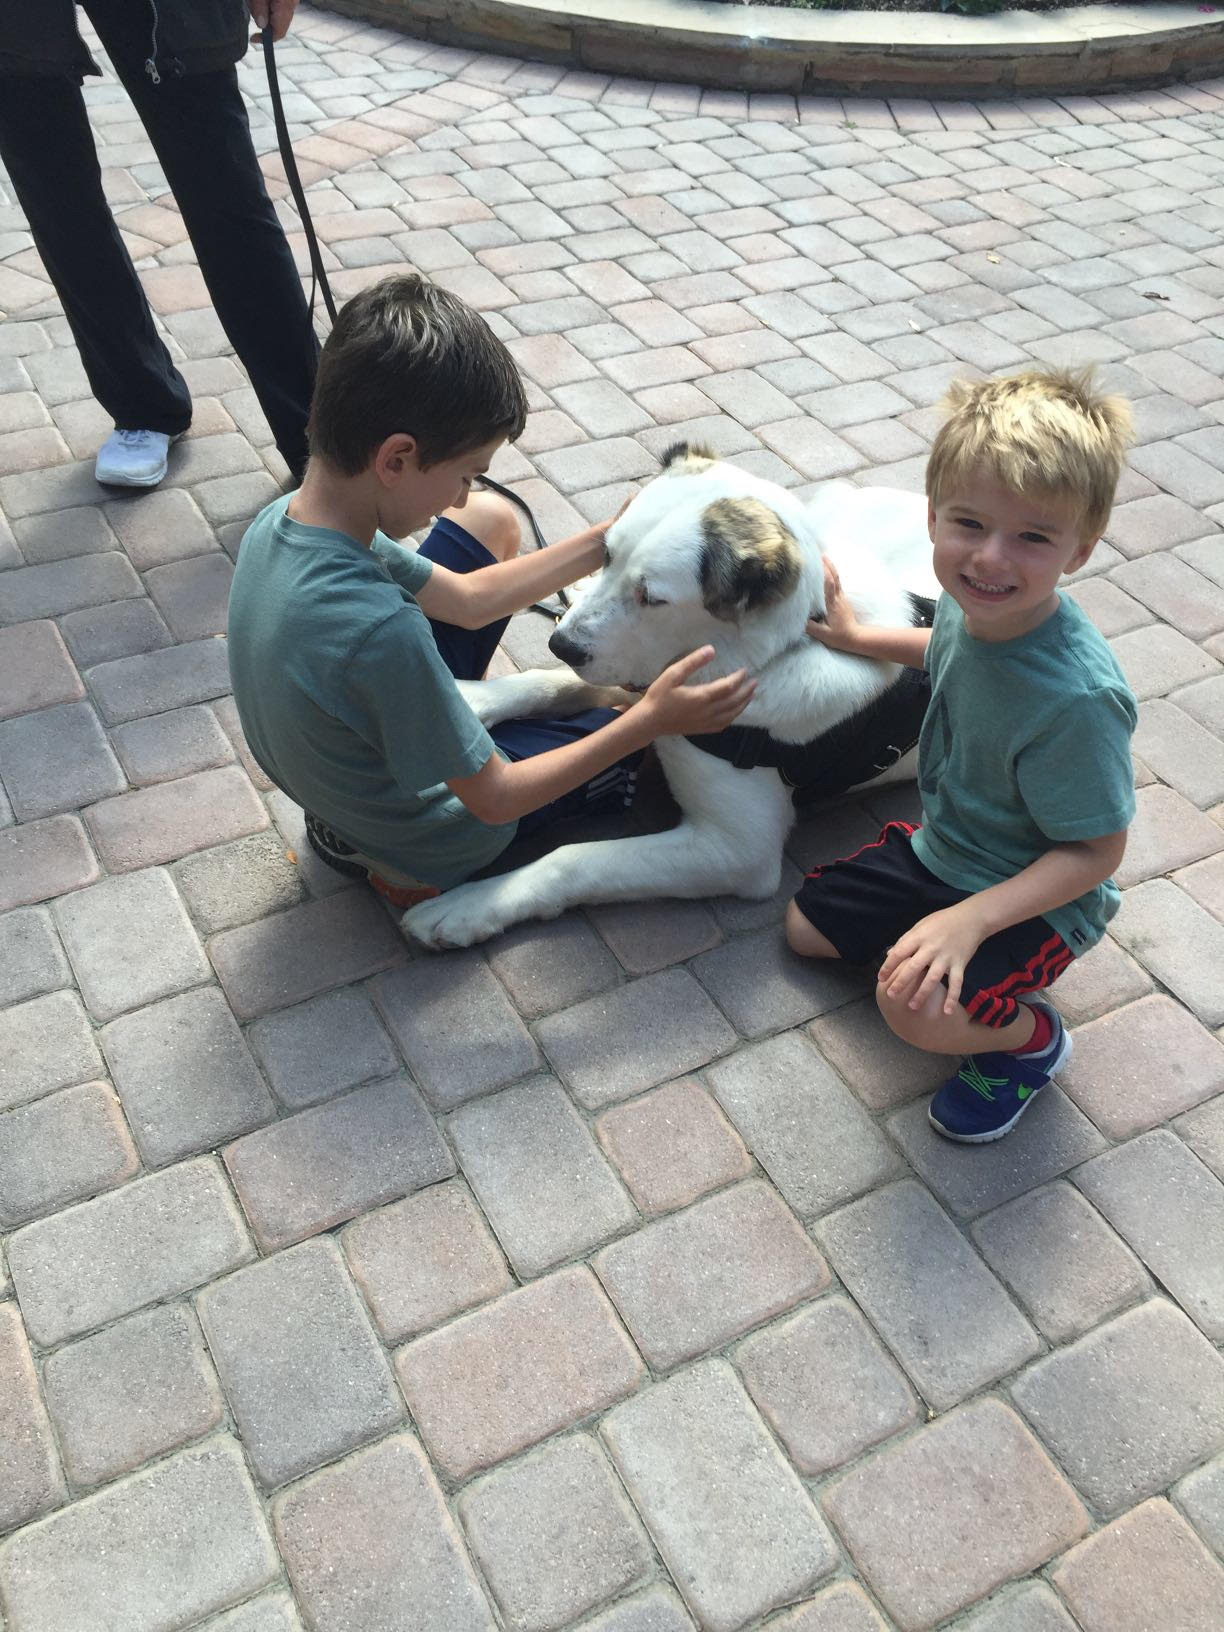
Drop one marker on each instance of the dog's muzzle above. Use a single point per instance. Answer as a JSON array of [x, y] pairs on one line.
[[569, 651]]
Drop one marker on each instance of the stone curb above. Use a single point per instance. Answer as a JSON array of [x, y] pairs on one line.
[[1085, 49]]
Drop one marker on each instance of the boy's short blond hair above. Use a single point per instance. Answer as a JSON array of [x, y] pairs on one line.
[[1045, 431]]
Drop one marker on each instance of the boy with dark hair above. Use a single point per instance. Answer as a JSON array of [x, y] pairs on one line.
[[1024, 760], [345, 645]]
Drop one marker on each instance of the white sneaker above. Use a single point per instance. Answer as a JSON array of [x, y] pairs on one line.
[[133, 458]]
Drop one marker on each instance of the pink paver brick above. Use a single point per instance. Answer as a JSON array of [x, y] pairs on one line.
[[943, 1518], [524, 1367], [1141, 1064], [35, 669], [172, 819], [1147, 1568], [673, 1145]]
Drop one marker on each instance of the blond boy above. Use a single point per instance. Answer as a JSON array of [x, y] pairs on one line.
[[1024, 759]]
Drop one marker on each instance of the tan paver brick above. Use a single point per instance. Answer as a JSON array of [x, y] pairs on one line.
[[672, 1145], [1142, 1063], [531, 1363], [842, 1608], [60, 1149]]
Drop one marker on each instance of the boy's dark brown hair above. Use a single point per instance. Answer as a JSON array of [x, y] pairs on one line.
[[405, 355]]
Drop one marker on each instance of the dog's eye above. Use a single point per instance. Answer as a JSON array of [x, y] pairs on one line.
[[645, 598]]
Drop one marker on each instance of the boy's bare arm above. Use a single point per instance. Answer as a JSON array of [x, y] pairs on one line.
[[502, 792], [473, 599], [939, 946], [841, 630]]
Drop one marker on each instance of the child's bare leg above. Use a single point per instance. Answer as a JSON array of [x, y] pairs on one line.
[[939, 1033], [802, 937], [490, 519]]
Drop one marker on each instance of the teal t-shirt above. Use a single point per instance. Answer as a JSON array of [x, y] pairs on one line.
[[345, 700], [1026, 744]]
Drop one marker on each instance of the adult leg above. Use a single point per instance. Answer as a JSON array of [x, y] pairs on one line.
[[48, 150], [199, 130]]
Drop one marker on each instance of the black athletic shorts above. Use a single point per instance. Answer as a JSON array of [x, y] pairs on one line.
[[864, 902]]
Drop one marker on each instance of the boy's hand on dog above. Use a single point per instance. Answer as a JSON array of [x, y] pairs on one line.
[[839, 627], [936, 950], [677, 709]]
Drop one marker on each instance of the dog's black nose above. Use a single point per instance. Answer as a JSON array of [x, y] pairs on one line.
[[567, 650]]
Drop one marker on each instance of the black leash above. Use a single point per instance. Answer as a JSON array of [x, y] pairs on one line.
[[318, 280]]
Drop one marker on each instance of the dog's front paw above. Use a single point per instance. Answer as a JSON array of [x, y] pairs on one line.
[[458, 917]]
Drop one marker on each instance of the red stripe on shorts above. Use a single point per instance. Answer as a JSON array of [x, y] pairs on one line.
[[905, 827], [993, 1005]]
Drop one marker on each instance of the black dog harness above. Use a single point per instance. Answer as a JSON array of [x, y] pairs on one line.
[[853, 751]]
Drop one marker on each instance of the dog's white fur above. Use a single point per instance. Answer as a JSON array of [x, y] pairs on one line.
[[734, 822]]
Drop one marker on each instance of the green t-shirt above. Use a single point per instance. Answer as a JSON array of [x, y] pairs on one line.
[[1026, 744], [345, 700]]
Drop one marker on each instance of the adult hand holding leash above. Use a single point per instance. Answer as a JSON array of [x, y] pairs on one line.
[[271, 17], [676, 709]]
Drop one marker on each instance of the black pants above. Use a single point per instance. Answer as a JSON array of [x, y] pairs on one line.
[[198, 127]]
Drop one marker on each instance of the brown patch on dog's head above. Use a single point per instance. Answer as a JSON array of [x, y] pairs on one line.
[[750, 558], [687, 458]]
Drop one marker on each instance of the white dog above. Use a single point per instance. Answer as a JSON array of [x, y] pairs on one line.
[[705, 554]]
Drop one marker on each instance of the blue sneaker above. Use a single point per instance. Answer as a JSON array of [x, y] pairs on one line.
[[991, 1092]]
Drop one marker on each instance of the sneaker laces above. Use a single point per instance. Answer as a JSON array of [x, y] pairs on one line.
[[135, 439]]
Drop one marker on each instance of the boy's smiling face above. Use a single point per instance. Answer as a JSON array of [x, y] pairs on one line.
[[1000, 555], [412, 497]]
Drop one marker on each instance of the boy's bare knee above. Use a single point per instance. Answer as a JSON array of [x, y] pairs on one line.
[[491, 519], [804, 939], [918, 1027]]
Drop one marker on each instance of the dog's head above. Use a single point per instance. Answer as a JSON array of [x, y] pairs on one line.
[[702, 555]]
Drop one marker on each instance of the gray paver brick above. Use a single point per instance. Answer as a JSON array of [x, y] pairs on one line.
[[100, 634], [554, 1535], [881, 1069], [542, 1180], [60, 1149], [941, 1519], [1030, 1608], [672, 1145], [106, 1561], [148, 682], [1067, 1267], [1201, 1496], [342, 1535], [1181, 752], [1203, 1131], [805, 1128], [1143, 1063], [936, 1305], [424, 1259], [302, 1370], [826, 1385], [1170, 1208], [314, 1170], [164, 526], [1167, 832], [546, 967], [185, 1076], [1146, 1569], [614, 1046], [66, 586], [658, 1609], [57, 759], [272, 1612], [688, 1283], [318, 1049], [45, 1044], [1053, 1137], [533, 1362], [143, 1386], [130, 942], [844, 1607], [303, 952], [455, 1027], [143, 1242], [171, 745], [1180, 943], [694, 1444], [761, 985], [1156, 660], [32, 960], [1150, 1368], [30, 1477], [236, 883]]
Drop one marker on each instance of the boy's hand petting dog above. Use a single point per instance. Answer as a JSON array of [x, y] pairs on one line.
[[839, 628], [935, 950], [676, 709]]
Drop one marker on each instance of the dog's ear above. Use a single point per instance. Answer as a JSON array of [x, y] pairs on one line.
[[749, 557], [686, 458]]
